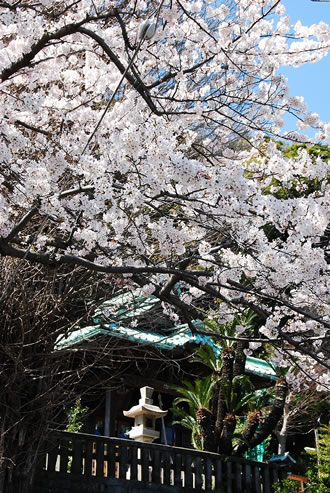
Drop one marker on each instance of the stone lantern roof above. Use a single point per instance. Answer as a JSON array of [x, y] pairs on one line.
[[145, 406]]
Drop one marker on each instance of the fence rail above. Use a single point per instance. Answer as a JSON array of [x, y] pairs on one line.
[[96, 458]]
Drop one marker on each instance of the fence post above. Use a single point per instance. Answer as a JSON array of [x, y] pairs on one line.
[[156, 466], [238, 477], [266, 479]]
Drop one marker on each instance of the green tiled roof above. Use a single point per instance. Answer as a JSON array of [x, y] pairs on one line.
[[116, 312], [181, 337]]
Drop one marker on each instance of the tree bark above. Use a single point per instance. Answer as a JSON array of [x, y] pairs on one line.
[[240, 359], [220, 416], [226, 439], [251, 426], [228, 355], [205, 420], [226, 372], [283, 432]]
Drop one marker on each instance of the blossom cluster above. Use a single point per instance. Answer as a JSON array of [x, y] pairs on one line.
[[179, 163]]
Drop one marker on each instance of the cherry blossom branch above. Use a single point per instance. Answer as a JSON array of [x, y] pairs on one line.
[[165, 291], [33, 128], [140, 88], [196, 22], [49, 259], [23, 222], [300, 346], [171, 75], [281, 301], [64, 31], [258, 20]]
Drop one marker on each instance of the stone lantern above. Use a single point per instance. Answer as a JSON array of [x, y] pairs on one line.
[[145, 415]]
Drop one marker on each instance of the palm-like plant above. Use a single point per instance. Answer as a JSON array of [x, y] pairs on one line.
[[235, 399], [190, 422], [197, 396], [229, 362], [216, 400], [209, 357], [238, 393]]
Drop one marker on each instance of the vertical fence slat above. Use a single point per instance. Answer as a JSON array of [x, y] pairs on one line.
[[145, 464], [188, 476], [133, 462], [111, 460], [88, 458], [76, 466], [64, 456], [100, 459], [51, 459], [156, 467], [166, 468], [41, 461], [238, 478], [218, 474], [198, 472], [247, 478], [122, 462], [208, 474], [177, 469], [229, 477], [266, 479], [256, 480], [3, 474]]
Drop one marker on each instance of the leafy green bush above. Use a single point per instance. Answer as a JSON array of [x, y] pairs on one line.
[[76, 417], [286, 486]]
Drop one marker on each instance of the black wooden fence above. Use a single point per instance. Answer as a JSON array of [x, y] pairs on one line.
[[100, 460]]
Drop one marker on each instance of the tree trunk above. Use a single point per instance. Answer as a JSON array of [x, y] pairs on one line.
[[240, 359], [216, 390], [239, 366], [228, 355], [205, 420], [250, 428], [226, 439], [283, 432], [281, 443], [226, 372], [220, 416]]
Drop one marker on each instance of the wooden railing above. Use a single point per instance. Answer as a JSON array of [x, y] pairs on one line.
[[97, 458]]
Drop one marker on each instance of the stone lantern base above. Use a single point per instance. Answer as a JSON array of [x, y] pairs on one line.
[[143, 434]]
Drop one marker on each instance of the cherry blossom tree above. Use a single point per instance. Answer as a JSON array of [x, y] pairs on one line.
[[118, 155]]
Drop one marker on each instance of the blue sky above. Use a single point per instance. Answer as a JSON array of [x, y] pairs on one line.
[[311, 80]]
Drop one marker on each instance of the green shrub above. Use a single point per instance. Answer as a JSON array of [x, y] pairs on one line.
[[286, 486], [76, 417]]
